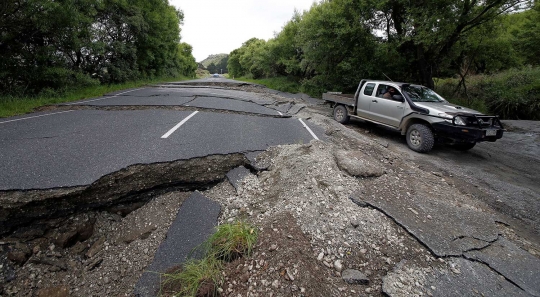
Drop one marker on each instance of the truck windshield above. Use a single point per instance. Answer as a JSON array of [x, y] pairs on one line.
[[422, 94]]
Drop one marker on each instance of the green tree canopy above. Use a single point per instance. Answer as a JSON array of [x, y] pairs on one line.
[[337, 42], [58, 44]]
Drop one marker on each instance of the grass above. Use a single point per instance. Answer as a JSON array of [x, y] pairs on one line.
[[231, 241], [281, 83], [202, 277], [194, 275], [11, 105]]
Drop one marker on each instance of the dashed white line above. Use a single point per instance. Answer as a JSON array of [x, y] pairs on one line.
[[43, 115], [310, 132], [166, 135], [79, 102]]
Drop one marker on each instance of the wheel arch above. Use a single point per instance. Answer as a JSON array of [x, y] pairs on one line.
[[411, 121]]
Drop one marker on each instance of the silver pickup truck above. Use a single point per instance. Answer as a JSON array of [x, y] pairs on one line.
[[418, 112]]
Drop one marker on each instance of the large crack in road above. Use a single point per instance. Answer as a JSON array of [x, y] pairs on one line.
[[133, 185]]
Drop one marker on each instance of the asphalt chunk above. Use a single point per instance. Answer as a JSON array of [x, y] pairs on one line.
[[193, 225], [236, 175], [512, 262]]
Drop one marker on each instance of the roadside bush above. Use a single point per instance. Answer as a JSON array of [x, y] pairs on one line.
[[315, 86], [513, 94]]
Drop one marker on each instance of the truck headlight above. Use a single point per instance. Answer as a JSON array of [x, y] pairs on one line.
[[459, 121], [450, 119]]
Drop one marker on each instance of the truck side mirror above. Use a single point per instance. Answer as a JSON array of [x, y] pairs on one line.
[[398, 98]]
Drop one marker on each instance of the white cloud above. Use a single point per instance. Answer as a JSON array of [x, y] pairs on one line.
[[218, 26]]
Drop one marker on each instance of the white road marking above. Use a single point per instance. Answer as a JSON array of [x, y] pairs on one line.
[[310, 132], [279, 113], [79, 102], [178, 125], [43, 115]]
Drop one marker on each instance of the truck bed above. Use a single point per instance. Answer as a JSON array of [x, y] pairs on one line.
[[345, 99]]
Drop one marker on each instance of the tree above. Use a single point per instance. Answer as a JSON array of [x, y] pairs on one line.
[[212, 68], [425, 32], [528, 37], [185, 61]]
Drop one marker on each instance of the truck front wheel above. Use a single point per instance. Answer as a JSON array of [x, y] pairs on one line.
[[341, 114], [420, 138]]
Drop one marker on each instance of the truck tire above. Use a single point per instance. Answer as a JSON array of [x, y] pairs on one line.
[[420, 138], [464, 146], [341, 114]]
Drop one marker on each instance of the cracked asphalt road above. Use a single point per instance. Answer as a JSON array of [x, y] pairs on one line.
[[77, 147], [444, 224]]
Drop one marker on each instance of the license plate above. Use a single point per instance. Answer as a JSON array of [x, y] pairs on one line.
[[491, 132]]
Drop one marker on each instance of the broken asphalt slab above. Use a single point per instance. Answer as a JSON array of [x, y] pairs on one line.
[[451, 228], [255, 162], [512, 262], [296, 108], [467, 278], [445, 228], [194, 223], [236, 175], [473, 279]]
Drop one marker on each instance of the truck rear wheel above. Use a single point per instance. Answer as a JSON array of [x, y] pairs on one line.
[[420, 138], [341, 114]]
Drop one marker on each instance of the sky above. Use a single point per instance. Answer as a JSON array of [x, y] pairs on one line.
[[220, 26]]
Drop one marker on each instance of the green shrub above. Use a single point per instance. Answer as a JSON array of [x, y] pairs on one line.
[[513, 94]]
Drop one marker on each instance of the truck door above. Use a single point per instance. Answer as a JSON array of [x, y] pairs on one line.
[[384, 109], [364, 99]]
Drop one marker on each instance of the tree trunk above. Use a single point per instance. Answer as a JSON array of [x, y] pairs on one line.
[[424, 67]]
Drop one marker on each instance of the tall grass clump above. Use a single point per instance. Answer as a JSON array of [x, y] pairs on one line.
[[232, 241], [195, 278], [513, 94], [202, 277]]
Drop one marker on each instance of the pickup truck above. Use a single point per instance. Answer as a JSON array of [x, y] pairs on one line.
[[419, 113]]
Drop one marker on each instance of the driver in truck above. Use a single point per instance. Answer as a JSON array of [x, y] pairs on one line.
[[390, 92]]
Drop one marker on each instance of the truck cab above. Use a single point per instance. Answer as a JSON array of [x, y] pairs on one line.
[[417, 112]]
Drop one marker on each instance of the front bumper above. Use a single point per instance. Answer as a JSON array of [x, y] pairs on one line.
[[466, 133]]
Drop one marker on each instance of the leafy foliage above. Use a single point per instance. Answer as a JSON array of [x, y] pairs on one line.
[[511, 94], [337, 42], [72, 43]]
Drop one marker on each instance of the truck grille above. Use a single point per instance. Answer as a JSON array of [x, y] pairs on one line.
[[482, 121]]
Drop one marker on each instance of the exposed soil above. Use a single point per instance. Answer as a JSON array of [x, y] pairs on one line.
[[310, 231]]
